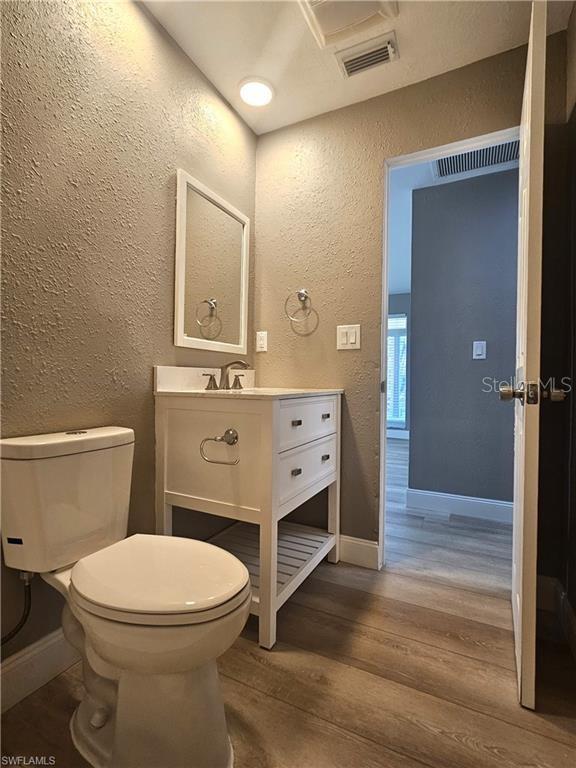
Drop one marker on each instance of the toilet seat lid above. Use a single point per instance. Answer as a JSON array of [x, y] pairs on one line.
[[159, 575]]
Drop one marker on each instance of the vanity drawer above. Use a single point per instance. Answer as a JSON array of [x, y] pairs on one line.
[[306, 419], [302, 467]]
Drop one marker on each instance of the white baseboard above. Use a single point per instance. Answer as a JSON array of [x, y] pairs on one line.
[[452, 504], [398, 434], [34, 666], [359, 552]]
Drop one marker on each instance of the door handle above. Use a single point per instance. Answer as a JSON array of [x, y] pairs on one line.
[[527, 394], [554, 395], [509, 392]]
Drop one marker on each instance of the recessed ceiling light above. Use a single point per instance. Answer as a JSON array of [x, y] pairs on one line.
[[256, 92]]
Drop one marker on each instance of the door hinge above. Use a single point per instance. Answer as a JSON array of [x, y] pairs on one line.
[[383, 387]]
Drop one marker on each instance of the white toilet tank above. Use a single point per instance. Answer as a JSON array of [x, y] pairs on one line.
[[64, 495]]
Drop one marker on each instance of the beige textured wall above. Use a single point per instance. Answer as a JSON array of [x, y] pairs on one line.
[[571, 64], [100, 108], [319, 202]]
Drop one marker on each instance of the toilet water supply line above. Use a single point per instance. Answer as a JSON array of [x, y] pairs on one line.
[[27, 579]]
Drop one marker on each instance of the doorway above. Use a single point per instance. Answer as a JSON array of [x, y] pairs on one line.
[[449, 307]]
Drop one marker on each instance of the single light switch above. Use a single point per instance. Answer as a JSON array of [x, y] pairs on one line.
[[348, 337], [261, 341], [478, 350]]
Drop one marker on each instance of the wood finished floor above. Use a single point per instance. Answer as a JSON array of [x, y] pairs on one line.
[[372, 670], [455, 550]]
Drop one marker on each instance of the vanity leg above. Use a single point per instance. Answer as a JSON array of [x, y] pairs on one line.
[[268, 570], [334, 520], [164, 524]]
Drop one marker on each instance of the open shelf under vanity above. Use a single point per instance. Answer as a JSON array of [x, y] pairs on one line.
[[300, 549]]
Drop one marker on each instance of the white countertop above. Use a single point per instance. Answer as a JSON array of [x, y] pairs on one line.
[[256, 393], [189, 381]]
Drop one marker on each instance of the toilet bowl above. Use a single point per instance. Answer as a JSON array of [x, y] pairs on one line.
[[150, 615]]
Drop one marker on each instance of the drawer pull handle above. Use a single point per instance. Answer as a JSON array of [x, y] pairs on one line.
[[325, 457], [296, 422], [296, 472], [325, 416]]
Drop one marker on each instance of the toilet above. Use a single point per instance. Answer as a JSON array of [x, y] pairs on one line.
[[149, 615]]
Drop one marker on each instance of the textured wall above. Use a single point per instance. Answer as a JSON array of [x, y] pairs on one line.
[[319, 197], [464, 253], [100, 108]]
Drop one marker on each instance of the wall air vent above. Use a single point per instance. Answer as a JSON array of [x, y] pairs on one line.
[[500, 154], [373, 53]]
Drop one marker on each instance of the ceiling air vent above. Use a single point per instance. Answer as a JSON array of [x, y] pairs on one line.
[[372, 53], [477, 159], [333, 22]]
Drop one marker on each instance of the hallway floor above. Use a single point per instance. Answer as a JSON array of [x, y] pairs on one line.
[[467, 552]]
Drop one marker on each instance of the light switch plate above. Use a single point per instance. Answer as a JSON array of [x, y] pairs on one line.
[[348, 337], [261, 341], [478, 350]]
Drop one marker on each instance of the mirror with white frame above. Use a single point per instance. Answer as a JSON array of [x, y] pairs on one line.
[[212, 244]]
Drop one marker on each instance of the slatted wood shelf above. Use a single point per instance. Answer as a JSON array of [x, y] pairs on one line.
[[300, 549]]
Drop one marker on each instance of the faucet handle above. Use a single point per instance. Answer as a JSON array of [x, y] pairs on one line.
[[211, 381], [237, 384]]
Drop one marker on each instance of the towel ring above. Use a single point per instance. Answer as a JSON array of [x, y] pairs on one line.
[[230, 437], [305, 306], [212, 315]]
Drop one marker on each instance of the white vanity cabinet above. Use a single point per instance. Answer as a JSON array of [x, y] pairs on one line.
[[287, 450]]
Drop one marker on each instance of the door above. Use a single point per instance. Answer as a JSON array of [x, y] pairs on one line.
[[526, 390]]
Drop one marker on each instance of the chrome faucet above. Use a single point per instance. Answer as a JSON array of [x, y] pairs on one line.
[[225, 372]]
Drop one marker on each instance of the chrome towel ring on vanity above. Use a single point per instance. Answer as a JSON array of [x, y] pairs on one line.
[[230, 437]]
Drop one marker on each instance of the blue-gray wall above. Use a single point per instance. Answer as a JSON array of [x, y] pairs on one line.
[[464, 240]]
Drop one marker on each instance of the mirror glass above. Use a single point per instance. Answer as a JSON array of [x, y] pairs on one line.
[[211, 270]]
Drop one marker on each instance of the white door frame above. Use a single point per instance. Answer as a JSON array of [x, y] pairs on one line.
[[414, 158]]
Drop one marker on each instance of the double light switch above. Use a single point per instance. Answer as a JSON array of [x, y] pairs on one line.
[[348, 337]]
